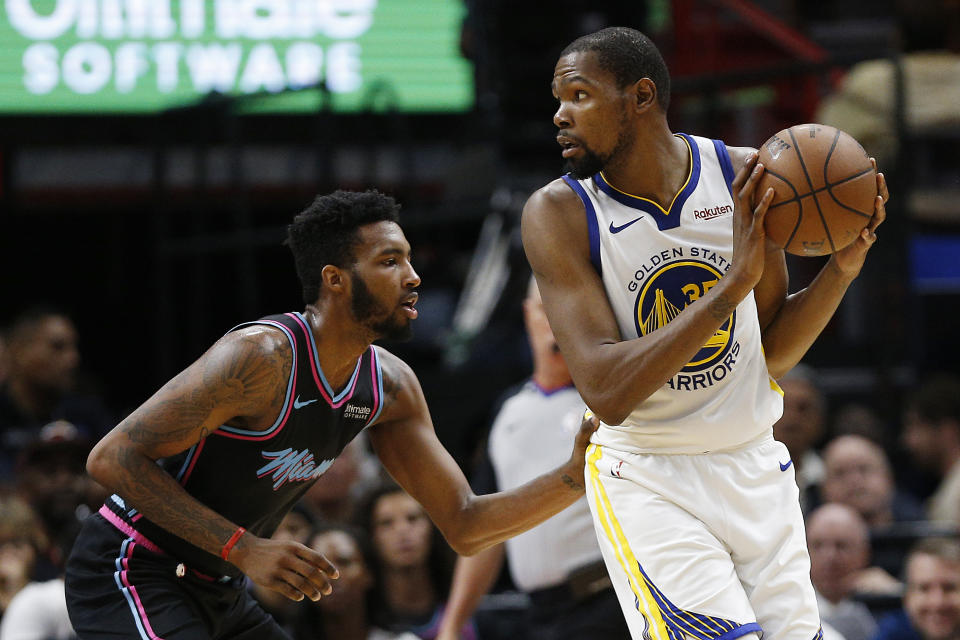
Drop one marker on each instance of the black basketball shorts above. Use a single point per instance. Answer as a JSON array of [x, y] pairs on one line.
[[117, 587]]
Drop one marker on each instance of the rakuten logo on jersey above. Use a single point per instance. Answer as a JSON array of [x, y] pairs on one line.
[[712, 212], [291, 465]]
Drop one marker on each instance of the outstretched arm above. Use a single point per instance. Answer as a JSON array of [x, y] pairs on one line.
[[613, 375], [236, 378], [408, 447], [795, 321]]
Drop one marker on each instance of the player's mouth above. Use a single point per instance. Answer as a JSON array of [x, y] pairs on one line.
[[408, 305], [568, 144]]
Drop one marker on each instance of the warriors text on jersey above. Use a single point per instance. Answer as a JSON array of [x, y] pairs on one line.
[[654, 262], [254, 477]]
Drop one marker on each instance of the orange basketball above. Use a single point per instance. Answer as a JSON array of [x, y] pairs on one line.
[[824, 185]]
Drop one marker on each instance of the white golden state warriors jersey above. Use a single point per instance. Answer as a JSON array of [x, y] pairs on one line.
[[656, 262]]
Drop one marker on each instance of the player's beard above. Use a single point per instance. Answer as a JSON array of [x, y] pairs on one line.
[[590, 163], [587, 165], [369, 312]]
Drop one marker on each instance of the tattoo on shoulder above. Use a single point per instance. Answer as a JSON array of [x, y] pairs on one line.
[[246, 378]]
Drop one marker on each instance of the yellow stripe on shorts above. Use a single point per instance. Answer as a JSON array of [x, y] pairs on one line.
[[621, 547]]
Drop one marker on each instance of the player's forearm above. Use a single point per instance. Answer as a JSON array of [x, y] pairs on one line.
[[802, 318], [616, 378], [143, 484], [473, 577], [487, 520]]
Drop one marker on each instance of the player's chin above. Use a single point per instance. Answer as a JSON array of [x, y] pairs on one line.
[[399, 331]]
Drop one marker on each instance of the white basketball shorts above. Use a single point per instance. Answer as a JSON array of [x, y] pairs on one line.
[[708, 546]]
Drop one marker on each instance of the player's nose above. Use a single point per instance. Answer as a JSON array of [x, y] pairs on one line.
[[411, 278]]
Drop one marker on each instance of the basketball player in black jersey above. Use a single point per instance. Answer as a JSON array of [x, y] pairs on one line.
[[205, 469]]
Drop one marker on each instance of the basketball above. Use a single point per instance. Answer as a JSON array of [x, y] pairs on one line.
[[824, 189]]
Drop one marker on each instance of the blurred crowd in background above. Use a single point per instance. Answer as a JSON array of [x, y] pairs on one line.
[[109, 291]]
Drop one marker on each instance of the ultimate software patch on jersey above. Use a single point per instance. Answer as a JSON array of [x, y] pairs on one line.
[[665, 285]]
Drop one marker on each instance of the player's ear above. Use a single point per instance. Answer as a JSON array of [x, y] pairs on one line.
[[644, 94], [333, 277]]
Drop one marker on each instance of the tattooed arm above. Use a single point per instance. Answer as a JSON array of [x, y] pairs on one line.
[[614, 375], [236, 382], [406, 443]]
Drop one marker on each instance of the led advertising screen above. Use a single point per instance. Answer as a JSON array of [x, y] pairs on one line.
[[145, 56]]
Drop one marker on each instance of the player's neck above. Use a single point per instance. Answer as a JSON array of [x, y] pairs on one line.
[[656, 168], [340, 340]]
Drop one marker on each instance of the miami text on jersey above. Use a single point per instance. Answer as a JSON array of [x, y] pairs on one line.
[[291, 465]]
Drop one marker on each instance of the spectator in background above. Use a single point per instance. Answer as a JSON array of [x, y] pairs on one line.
[[801, 427], [839, 544], [51, 476], [931, 602], [345, 613], [931, 433], [22, 541], [43, 359], [39, 610], [413, 564], [858, 474]]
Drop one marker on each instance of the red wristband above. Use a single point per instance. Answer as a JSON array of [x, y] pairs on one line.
[[231, 542]]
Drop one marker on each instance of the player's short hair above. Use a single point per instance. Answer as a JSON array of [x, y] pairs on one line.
[[629, 55], [326, 232]]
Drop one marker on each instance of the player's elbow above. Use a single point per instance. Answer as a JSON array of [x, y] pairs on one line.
[[608, 402], [100, 463], [464, 542], [468, 530], [609, 410]]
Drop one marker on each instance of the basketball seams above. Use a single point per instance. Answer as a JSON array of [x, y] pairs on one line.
[[844, 206], [795, 198], [827, 188], [806, 174]]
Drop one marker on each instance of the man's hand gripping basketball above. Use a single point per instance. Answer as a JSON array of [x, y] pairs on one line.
[[749, 236]]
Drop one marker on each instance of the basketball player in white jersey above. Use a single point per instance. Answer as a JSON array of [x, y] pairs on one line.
[[671, 309]]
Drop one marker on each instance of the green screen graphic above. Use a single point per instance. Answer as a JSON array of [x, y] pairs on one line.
[[142, 56]]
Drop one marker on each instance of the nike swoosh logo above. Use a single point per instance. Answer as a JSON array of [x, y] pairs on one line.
[[616, 229], [297, 404], [784, 467]]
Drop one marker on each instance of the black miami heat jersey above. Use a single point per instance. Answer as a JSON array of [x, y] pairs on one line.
[[253, 478]]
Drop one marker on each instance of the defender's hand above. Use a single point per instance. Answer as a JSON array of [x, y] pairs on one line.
[[287, 567], [575, 465]]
